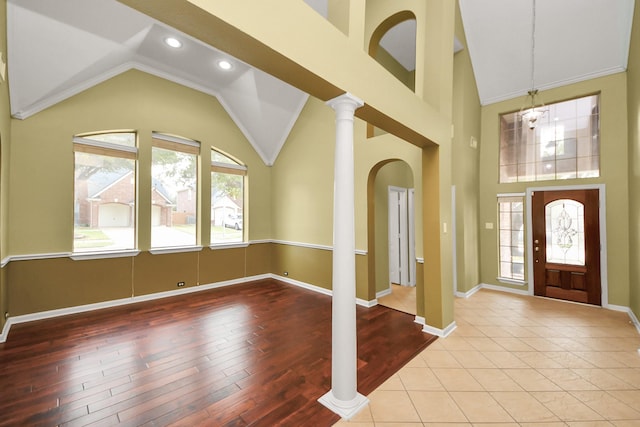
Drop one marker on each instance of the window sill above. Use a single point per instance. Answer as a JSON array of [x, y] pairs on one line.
[[228, 245], [82, 256], [174, 249], [511, 281]]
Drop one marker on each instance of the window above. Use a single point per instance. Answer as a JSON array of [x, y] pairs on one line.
[[174, 189], [104, 192], [227, 199], [565, 232], [511, 238], [565, 144]]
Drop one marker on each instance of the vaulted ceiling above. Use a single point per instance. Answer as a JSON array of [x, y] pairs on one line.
[[575, 40], [58, 49]]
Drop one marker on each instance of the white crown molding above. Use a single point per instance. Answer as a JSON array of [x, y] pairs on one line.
[[83, 256], [174, 249], [244, 131], [79, 256], [29, 257], [553, 85], [287, 130], [302, 245], [49, 101], [229, 245]]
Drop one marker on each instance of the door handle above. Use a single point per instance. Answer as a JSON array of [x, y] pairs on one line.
[[536, 249]]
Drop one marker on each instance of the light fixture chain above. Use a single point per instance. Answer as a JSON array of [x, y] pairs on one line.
[[533, 46]]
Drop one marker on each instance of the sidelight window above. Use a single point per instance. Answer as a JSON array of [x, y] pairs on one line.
[[511, 237]]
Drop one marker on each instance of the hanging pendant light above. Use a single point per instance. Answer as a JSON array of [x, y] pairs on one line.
[[530, 113]]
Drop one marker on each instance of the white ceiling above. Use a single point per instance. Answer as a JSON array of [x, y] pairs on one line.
[[575, 40], [57, 49]]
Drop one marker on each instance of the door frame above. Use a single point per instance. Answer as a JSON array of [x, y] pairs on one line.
[[602, 213]]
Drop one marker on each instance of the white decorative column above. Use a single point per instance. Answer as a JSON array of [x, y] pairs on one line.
[[343, 398]]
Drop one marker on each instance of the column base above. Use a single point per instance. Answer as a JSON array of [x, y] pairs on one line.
[[345, 408]]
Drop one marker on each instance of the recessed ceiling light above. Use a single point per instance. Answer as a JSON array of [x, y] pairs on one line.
[[173, 42], [224, 64]]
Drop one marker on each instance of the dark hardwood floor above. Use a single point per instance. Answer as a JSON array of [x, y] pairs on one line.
[[251, 354]]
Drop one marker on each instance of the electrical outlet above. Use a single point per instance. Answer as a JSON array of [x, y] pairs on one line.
[[180, 284]]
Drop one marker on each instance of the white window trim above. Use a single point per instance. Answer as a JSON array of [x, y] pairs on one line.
[[229, 165], [103, 144], [176, 139]]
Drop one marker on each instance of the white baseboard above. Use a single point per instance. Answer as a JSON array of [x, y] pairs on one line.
[[359, 301], [5, 330], [383, 293], [613, 307], [300, 284], [469, 292], [442, 333], [367, 304], [131, 300], [503, 289], [115, 303], [629, 312]]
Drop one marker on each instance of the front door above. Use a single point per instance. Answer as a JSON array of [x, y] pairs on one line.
[[566, 245]]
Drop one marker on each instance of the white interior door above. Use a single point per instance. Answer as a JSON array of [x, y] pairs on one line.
[[398, 237]]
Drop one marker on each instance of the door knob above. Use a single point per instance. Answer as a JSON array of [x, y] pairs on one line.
[[536, 241], [536, 249]]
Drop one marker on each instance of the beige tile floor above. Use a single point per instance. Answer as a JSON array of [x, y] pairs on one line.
[[402, 298], [517, 360]]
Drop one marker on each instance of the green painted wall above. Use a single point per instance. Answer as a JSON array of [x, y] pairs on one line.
[[614, 174], [5, 144], [291, 201], [465, 167], [397, 174], [133, 100], [633, 101], [41, 196], [302, 192]]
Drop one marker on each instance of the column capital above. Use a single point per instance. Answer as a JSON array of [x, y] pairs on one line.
[[346, 101]]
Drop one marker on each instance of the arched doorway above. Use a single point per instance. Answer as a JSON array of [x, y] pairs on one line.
[[391, 235]]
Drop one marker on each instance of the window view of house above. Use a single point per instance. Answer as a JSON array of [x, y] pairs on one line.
[[173, 191], [104, 192], [511, 237], [227, 199], [565, 143]]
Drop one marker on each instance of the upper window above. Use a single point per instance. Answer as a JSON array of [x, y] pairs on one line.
[[104, 192], [227, 199], [174, 189], [565, 143]]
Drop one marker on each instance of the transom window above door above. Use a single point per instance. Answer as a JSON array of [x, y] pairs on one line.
[[564, 144]]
